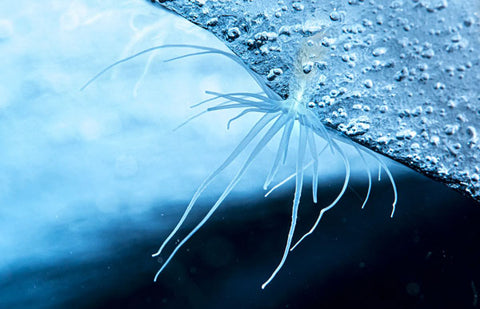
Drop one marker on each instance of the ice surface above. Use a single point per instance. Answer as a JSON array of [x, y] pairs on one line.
[[400, 77]]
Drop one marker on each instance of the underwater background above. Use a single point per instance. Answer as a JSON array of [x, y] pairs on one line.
[[91, 183]]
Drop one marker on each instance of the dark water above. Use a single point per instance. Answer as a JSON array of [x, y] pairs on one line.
[[427, 256]]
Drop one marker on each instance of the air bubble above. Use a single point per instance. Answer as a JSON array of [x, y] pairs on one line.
[[472, 132], [451, 104], [423, 67], [450, 129], [233, 33], [456, 38], [367, 23], [468, 21], [424, 77], [307, 67], [379, 51], [212, 22], [443, 4], [417, 111], [433, 160], [379, 20], [415, 146], [456, 146], [383, 109], [298, 6], [335, 15], [274, 73], [406, 134], [429, 53], [402, 74], [334, 93]]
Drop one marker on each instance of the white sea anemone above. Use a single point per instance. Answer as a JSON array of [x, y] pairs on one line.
[[278, 115]]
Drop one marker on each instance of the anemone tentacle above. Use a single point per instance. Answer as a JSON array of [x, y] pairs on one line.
[[272, 131], [281, 153], [269, 92], [302, 143], [262, 123], [144, 73], [279, 115], [313, 150], [187, 55], [243, 113], [337, 199], [367, 169], [390, 177], [195, 116], [261, 100], [293, 174]]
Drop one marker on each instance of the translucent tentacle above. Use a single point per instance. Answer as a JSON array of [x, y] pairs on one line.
[[205, 101], [222, 106], [142, 52], [394, 187], [144, 73], [392, 181], [270, 93], [189, 55], [253, 95], [261, 144], [367, 169], [320, 130], [296, 201], [313, 150], [229, 106], [190, 119], [213, 108], [246, 102], [289, 134], [241, 146], [243, 113], [209, 100], [285, 181], [234, 97], [345, 185], [199, 114], [294, 174], [280, 152], [140, 34], [379, 171]]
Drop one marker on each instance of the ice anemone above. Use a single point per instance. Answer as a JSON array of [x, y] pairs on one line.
[[278, 116]]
